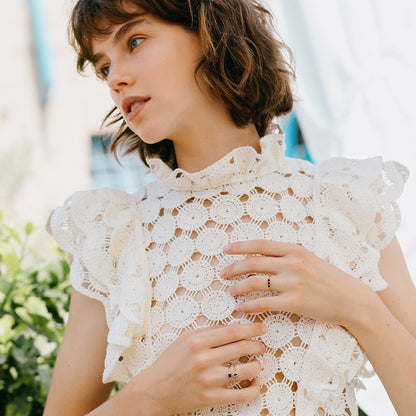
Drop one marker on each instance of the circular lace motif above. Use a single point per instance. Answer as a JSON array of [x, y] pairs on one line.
[[335, 406], [253, 407], [304, 328], [215, 411], [291, 362], [174, 199], [246, 231], [147, 237], [292, 209], [281, 231], [211, 241], [164, 229], [270, 367], [157, 318], [182, 311], [149, 209], [261, 207], [281, 331], [274, 183], [301, 185], [197, 276], [226, 209], [160, 344], [180, 250], [166, 286], [217, 305], [306, 235], [279, 399], [192, 216], [157, 261]]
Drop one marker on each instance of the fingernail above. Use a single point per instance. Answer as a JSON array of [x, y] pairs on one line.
[[223, 271], [227, 247], [264, 328]]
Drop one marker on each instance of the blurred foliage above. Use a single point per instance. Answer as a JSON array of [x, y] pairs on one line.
[[34, 300]]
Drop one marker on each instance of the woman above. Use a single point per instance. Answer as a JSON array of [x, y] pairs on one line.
[[230, 231]]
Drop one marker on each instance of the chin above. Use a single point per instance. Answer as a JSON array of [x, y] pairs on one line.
[[150, 138]]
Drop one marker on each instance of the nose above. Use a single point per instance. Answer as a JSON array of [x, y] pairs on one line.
[[119, 77]]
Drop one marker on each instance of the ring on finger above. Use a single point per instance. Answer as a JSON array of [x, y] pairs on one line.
[[232, 374]]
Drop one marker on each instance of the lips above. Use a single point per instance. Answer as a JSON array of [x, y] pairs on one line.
[[132, 105]]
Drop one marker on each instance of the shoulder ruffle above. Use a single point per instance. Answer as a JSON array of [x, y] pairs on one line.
[[356, 216], [102, 234], [357, 213]]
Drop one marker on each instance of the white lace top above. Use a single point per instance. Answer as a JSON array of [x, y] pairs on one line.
[[153, 259]]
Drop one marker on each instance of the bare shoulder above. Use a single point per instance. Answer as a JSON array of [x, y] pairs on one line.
[[77, 386], [400, 295]]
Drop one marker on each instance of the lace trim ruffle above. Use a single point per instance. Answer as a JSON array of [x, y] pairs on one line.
[[240, 165], [356, 216], [102, 233]]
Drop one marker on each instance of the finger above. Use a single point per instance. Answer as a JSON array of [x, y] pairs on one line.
[[282, 302], [224, 395], [240, 372], [254, 284], [253, 264], [237, 350], [227, 334], [265, 247], [244, 394]]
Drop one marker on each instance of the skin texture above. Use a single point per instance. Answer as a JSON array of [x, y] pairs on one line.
[[157, 60]]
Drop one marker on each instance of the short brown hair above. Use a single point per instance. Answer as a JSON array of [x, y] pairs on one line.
[[243, 62]]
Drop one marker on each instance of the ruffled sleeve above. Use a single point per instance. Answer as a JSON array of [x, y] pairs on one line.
[[102, 234], [356, 216]]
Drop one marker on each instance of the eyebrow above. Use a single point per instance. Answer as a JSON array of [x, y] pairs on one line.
[[119, 36]]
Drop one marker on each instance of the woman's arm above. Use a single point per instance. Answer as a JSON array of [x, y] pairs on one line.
[[384, 324], [76, 385], [386, 330]]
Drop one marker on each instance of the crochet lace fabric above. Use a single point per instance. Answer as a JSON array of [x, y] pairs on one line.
[[153, 259]]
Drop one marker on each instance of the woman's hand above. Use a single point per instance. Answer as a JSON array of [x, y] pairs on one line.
[[306, 284], [191, 373]]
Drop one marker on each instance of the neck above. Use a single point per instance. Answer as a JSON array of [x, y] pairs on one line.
[[201, 148]]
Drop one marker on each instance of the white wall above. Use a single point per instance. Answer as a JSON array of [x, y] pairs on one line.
[[44, 156]]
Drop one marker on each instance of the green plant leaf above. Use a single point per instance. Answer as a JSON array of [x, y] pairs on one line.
[[6, 331], [23, 314], [29, 227], [11, 261], [34, 301], [19, 407], [13, 233], [44, 347], [35, 306], [20, 356]]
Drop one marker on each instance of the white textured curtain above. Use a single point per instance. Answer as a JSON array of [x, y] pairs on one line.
[[356, 84]]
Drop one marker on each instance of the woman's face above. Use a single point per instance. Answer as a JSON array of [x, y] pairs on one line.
[[149, 66]]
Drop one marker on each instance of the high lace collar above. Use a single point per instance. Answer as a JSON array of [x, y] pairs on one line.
[[241, 164]]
